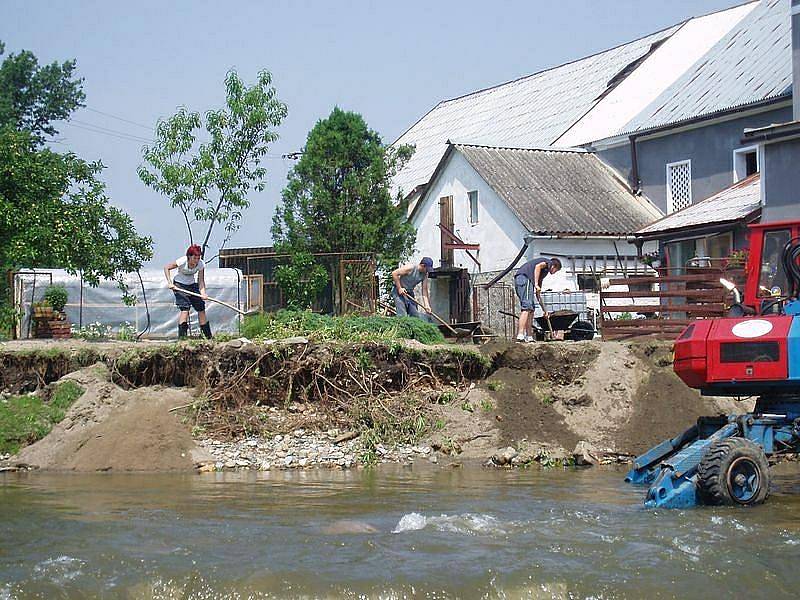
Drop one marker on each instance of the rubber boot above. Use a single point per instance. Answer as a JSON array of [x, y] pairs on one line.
[[183, 330], [206, 329]]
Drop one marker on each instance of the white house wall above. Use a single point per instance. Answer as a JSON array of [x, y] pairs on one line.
[[498, 230]]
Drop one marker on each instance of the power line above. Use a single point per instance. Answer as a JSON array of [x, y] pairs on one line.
[[118, 135], [100, 112], [110, 130]]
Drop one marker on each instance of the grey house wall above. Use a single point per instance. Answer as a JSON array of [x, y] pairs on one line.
[[710, 149], [782, 181]]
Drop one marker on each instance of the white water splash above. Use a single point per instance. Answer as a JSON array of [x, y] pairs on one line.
[[59, 570], [467, 524], [692, 551]]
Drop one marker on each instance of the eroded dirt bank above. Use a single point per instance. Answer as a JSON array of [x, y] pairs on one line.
[[300, 404]]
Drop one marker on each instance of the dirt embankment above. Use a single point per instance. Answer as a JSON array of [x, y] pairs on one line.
[[146, 406]]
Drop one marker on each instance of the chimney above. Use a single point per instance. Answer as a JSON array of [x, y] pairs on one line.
[[796, 60]]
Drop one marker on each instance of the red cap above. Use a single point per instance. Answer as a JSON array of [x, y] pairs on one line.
[[194, 250]]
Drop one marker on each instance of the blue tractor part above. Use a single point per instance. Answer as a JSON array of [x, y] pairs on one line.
[[720, 460]]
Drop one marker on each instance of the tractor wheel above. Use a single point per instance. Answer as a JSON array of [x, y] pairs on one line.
[[734, 471]]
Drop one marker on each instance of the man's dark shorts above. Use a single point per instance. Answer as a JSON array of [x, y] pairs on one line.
[[524, 288], [185, 301]]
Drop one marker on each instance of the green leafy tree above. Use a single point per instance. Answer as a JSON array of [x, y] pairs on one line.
[[32, 97], [209, 181], [301, 281], [54, 212], [338, 196], [53, 208]]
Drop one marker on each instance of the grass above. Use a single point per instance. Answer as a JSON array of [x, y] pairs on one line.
[[26, 419], [495, 386], [286, 324]]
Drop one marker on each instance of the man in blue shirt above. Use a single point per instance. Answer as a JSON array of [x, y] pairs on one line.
[[528, 285], [405, 279]]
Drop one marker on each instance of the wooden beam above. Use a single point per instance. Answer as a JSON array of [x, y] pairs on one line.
[[718, 295], [715, 308], [666, 279]]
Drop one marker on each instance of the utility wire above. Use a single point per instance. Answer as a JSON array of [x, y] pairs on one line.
[[100, 112], [111, 133], [110, 130]]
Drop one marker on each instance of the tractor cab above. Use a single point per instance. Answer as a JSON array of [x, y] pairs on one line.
[[769, 284]]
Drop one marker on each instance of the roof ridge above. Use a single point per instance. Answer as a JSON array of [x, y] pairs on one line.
[[565, 150], [570, 62]]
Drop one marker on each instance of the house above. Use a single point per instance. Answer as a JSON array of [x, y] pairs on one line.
[[710, 229], [688, 152], [666, 112], [552, 202]]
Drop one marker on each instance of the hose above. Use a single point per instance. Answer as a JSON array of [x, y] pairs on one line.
[[146, 307], [791, 265]]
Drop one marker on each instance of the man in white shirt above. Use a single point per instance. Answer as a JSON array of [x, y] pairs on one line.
[[190, 276]]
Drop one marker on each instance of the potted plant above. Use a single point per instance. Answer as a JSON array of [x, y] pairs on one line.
[[42, 310], [56, 296], [737, 259]]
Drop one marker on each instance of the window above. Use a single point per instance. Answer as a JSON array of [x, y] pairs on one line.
[[679, 185], [473, 207], [745, 162], [255, 292], [719, 246], [772, 279]]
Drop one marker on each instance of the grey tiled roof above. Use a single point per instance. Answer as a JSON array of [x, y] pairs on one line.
[[529, 112], [734, 203], [751, 64], [560, 192]]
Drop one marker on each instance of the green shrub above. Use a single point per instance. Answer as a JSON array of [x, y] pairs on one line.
[[287, 323], [301, 281], [56, 296], [26, 419]]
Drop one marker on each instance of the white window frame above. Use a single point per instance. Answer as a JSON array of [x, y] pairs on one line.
[[670, 205], [469, 207], [739, 164]]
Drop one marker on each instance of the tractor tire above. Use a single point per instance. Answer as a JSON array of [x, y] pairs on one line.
[[734, 472]]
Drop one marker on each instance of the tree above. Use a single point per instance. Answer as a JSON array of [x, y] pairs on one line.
[[209, 182], [54, 213], [32, 97], [53, 208], [338, 196]]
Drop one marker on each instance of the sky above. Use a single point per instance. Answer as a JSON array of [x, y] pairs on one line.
[[390, 61]]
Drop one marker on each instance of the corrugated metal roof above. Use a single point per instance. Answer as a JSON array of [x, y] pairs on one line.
[[560, 192], [731, 204], [528, 112], [751, 64]]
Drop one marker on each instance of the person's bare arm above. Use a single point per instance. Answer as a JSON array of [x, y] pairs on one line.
[[536, 272], [426, 297], [397, 274], [167, 269], [201, 283]]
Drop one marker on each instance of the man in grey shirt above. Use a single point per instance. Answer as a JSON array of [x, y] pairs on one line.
[[405, 279]]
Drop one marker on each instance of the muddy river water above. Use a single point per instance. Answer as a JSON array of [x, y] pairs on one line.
[[429, 532]]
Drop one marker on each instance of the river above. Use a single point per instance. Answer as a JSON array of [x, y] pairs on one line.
[[428, 532]]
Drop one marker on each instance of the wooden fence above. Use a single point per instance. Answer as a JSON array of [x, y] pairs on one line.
[[665, 304]]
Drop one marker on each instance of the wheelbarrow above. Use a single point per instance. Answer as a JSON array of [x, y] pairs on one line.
[[566, 321]]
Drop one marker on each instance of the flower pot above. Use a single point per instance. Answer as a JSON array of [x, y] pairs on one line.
[[60, 329], [43, 312]]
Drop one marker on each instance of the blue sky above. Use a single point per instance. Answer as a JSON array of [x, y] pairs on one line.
[[390, 61]]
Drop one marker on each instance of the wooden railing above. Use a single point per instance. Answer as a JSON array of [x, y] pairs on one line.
[[664, 304]]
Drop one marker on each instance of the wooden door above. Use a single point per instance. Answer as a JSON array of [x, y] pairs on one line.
[[446, 219]]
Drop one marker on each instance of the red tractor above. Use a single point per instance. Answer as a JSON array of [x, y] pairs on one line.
[[754, 351]]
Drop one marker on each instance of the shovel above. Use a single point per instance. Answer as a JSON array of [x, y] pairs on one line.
[[252, 311], [546, 314], [459, 333]]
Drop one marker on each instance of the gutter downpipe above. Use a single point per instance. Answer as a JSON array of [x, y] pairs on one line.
[[636, 184]]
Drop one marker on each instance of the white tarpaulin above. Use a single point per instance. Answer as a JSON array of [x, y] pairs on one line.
[[104, 305]]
